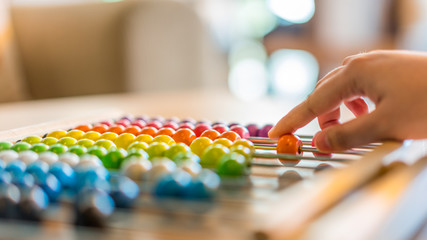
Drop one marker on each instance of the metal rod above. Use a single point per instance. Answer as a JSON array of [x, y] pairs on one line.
[[296, 157]]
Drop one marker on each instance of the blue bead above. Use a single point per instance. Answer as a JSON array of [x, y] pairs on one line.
[[64, 173], [51, 185], [124, 191], [33, 202], [204, 186], [5, 177], [93, 178], [27, 180], [38, 169], [172, 185], [2, 165], [16, 168], [93, 206]]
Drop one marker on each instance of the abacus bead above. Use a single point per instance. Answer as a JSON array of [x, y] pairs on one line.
[[77, 149], [87, 143], [48, 157], [57, 134], [21, 146], [242, 131], [157, 149], [2, 165], [5, 145], [84, 127], [155, 124], [58, 148], [149, 131], [51, 186], [101, 128], [139, 123], [172, 185], [191, 167], [220, 128], [107, 144], [114, 158], [165, 139], [224, 142], [136, 168], [188, 120], [123, 191], [200, 128], [187, 125], [176, 149], [144, 138], [8, 155], [230, 135], [204, 186], [64, 173], [199, 145], [93, 207], [76, 134], [172, 125], [212, 134], [232, 165], [135, 130], [252, 129], [138, 145], [263, 132], [5, 178], [39, 169], [91, 161], [184, 156], [124, 122], [245, 151], [97, 151], [108, 123], [24, 181], [9, 198], [69, 158], [32, 139], [244, 142], [166, 131], [28, 156], [91, 135], [184, 135], [39, 147], [109, 136], [67, 141], [49, 141], [212, 155], [127, 117], [124, 140], [32, 203], [289, 144], [160, 167]]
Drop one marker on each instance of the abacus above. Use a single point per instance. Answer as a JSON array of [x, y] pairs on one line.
[[226, 180]]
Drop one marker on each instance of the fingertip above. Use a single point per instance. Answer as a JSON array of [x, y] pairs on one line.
[[272, 134]]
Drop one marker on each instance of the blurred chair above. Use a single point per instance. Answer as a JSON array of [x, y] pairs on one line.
[[96, 47]]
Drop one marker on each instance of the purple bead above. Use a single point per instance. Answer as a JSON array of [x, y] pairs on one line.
[[143, 118], [172, 119], [130, 118], [253, 130], [233, 124], [158, 118], [188, 120], [263, 132]]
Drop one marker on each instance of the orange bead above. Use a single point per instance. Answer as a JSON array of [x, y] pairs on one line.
[[230, 135], [289, 144], [149, 131], [135, 130], [84, 127], [119, 129], [212, 134], [166, 131], [184, 135], [101, 128]]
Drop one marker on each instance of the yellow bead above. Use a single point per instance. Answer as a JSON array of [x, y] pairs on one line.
[[124, 140], [67, 141], [144, 138], [32, 139], [92, 135], [224, 142], [245, 143], [87, 143], [109, 136], [164, 138], [76, 134], [57, 134], [49, 140], [138, 145], [199, 145], [107, 144]]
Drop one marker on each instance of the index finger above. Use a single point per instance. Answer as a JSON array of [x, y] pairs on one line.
[[327, 97]]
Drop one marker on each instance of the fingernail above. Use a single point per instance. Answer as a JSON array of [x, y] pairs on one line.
[[323, 143]]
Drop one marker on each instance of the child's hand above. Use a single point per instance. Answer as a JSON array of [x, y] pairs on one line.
[[396, 81]]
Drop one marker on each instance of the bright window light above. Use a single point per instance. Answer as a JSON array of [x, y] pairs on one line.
[[293, 11], [248, 79]]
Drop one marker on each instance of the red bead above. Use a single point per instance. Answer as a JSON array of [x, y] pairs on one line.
[[211, 134], [107, 122], [220, 128], [200, 128], [149, 130], [101, 128], [166, 131], [172, 125], [155, 124], [139, 123], [184, 135], [124, 122], [242, 131], [230, 135], [187, 125]]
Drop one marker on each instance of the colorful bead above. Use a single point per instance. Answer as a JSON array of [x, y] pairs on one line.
[[232, 165], [252, 129], [242, 131], [200, 128], [101, 128], [49, 141], [67, 141], [109, 136], [39, 147], [230, 135], [199, 145], [157, 149], [98, 151], [8, 155], [57, 134], [176, 149], [220, 128], [184, 135], [166, 131], [69, 158], [84, 127], [138, 145], [85, 142], [135, 130], [5, 145], [149, 131], [114, 158], [58, 148], [164, 138], [76, 134], [212, 155], [32, 139], [263, 132], [136, 168], [107, 144], [77, 149], [211, 134], [123, 191], [144, 138], [161, 166], [172, 185], [223, 141], [21, 146], [28, 156], [48, 157]]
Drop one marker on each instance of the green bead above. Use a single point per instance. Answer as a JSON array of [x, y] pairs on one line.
[[58, 148], [176, 149], [212, 155], [232, 165], [67, 141], [77, 149], [87, 143], [245, 151], [157, 149], [138, 153], [5, 145], [32, 139], [107, 144], [98, 151], [138, 145], [49, 141], [21, 146], [39, 147], [114, 158], [185, 156]]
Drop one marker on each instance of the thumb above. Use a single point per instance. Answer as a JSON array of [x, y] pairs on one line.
[[365, 129]]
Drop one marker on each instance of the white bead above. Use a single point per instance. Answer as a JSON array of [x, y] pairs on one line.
[[8, 156], [88, 160], [161, 166], [136, 168], [28, 156], [48, 157], [191, 167], [71, 159]]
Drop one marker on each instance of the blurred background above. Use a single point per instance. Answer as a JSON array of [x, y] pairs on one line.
[[254, 49]]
